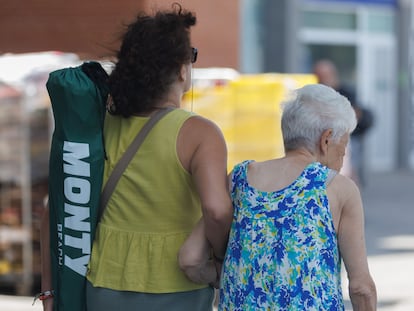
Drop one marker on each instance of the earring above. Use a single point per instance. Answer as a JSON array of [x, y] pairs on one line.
[[110, 105]]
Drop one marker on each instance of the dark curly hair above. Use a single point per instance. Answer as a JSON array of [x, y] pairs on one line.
[[152, 52]]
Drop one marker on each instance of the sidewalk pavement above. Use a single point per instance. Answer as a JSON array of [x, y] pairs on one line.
[[389, 217], [19, 303], [389, 221]]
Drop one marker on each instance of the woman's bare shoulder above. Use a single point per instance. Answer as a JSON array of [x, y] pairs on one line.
[[201, 141], [200, 123], [344, 184], [345, 190], [201, 130]]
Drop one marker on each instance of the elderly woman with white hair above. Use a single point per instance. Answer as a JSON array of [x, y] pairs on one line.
[[295, 217]]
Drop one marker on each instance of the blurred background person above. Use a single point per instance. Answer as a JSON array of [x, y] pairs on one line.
[[327, 74]]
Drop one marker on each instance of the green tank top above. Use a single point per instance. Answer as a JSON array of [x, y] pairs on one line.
[[150, 213]]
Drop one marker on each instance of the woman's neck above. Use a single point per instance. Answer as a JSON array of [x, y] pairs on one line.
[[301, 155], [171, 99]]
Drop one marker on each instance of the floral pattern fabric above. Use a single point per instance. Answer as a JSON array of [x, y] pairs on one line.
[[282, 252]]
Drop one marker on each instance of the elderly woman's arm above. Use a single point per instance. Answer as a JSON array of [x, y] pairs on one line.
[[351, 238]]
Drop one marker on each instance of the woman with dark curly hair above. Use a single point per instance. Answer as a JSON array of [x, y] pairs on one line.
[[177, 176]]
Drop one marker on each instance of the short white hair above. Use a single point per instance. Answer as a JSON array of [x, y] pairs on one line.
[[313, 109]]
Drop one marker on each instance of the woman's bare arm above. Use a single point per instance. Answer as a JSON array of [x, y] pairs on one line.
[[206, 160], [351, 237]]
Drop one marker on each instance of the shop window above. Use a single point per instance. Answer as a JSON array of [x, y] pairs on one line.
[[330, 20], [381, 22]]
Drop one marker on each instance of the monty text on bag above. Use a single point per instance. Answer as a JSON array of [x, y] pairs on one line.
[[77, 190]]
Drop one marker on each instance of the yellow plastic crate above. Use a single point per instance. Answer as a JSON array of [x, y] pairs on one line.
[[248, 111]]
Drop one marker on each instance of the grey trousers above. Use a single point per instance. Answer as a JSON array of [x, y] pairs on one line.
[[103, 299]]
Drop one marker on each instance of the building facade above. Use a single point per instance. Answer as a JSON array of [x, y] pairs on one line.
[[367, 39], [92, 28]]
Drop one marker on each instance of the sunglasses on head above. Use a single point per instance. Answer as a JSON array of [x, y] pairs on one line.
[[194, 53]]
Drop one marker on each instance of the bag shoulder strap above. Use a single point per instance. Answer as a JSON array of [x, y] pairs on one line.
[[127, 157], [331, 174]]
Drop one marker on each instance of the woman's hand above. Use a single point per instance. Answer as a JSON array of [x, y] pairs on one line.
[[216, 283]]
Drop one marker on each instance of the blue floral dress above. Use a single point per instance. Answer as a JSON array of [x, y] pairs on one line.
[[282, 252]]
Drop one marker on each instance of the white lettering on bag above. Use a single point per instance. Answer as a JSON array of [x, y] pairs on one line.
[[60, 243], [77, 190]]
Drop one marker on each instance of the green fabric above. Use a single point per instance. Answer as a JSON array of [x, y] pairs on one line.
[[76, 169]]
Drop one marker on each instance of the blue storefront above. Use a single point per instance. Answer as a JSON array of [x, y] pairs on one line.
[[363, 37]]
